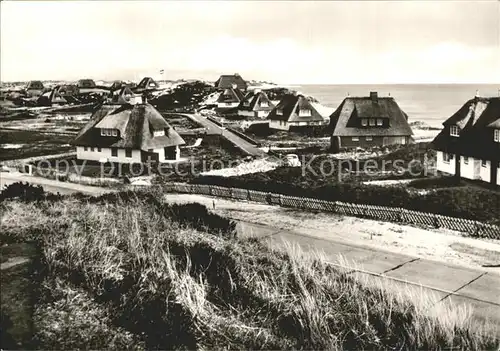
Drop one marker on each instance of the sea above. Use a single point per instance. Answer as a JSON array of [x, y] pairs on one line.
[[428, 103]]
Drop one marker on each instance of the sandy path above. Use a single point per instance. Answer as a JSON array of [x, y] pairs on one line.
[[434, 244]]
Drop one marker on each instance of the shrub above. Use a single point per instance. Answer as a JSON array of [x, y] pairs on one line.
[[26, 192]]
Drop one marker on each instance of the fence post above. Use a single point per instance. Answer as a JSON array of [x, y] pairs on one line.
[[210, 190], [436, 222], [248, 194]]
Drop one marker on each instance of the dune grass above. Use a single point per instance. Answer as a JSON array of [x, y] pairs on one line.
[[160, 284]]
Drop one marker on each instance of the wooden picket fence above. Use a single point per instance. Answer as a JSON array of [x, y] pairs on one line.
[[383, 213]]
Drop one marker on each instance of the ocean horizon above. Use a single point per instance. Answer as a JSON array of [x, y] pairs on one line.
[[429, 103]]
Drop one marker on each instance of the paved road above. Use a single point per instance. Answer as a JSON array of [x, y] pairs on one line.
[[447, 282], [239, 142]]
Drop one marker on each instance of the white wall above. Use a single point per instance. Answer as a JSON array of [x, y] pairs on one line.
[[246, 113], [95, 155], [446, 167], [485, 172], [467, 170], [280, 125], [228, 104], [262, 114], [498, 173]]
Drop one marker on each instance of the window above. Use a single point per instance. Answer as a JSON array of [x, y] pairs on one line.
[[364, 122], [304, 113], [466, 160], [109, 132], [279, 112], [355, 139], [158, 133], [496, 135], [484, 163], [454, 131], [85, 148], [128, 153], [447, 157], [92, 149], [98, 149], [369, 138], [114, 132], [371, 122], [114, 151], [104, 132], [380, 122], [264, 104]]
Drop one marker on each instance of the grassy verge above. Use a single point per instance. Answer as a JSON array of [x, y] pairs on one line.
[[126, 273]]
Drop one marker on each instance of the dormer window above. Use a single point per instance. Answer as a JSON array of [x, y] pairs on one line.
[[371, 122], [380, 122], [279, 112], [304, 113], [496, 135], [109, 132], [454, 131], [364, 122], [159, 133], [264, 104]]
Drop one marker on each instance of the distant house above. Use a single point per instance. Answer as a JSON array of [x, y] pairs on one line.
[[34, 88], [369, 121], [228, 80], [68, 90], [294, 110], [123, 95], [51, 98], [86, 84], [255, 104], [230, 98], [147, 83], [469, 144], [128, 133]]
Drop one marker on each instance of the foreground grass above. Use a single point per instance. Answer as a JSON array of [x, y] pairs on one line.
[[130, 276]]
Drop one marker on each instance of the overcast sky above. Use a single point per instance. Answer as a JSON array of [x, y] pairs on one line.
[[286, 42]]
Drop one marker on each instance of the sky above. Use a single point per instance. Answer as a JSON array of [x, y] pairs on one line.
[[288, 42]]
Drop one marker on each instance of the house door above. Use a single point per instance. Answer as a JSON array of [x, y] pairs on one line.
[[170, 153]]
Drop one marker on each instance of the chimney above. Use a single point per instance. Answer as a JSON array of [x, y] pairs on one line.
[[477, 93], [234, 86], [348, 94], [374, 96], [144, 98]]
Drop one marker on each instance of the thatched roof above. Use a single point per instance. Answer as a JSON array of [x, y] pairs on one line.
[[121, 96], [290, 105], [51, 97], [228, 80], [147, 83], [135, 123], [86, 84], [231, 95], [345, 120], [252, 102], [35, 85], [477, 119]]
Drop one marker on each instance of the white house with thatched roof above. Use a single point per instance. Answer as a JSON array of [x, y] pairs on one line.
[[294, 110], [230, 98], [128, 133], [255, 104], [469, 144], [226, 81]]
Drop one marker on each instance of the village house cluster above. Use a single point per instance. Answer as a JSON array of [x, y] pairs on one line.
[[127, 129]]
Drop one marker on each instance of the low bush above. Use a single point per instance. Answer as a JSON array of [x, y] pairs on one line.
[[26, 192], [466, 202]]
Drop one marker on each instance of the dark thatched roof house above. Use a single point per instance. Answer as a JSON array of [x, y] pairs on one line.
[[126, 133], [123, 95], [469, 144], [255, 104], [294, 111], [86, 84], [226, 81], [34, 88], [146, 84], [51, 98], [230, 98], [369, 121]]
